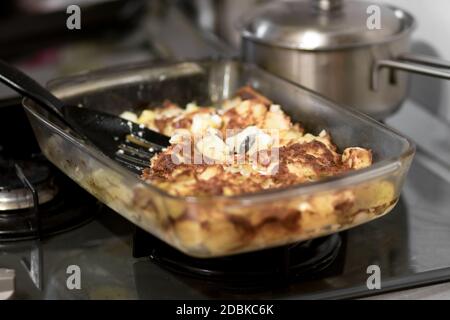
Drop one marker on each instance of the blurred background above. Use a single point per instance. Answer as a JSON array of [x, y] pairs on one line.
[[33, 36]]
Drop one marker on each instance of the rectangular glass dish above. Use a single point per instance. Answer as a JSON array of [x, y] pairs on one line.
[[219, 225]]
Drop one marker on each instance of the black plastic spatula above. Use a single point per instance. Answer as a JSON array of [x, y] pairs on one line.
[[124, 141]]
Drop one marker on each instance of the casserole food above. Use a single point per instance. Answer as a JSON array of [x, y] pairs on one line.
[[246, 144], [223, 225]]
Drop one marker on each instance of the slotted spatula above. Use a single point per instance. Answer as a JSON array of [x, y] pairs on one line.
[[128, 143]]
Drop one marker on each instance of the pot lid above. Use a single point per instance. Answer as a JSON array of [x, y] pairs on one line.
[[325, 24]]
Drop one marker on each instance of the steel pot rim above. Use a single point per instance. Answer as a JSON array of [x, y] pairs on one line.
[[410, 26]]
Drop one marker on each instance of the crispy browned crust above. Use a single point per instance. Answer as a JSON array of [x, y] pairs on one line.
[[248, 93], [299, 161], [314, 155]]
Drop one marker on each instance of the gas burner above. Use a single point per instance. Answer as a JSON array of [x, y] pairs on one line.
[[14, 194], [36, 200], [300, 261], [69, 208]]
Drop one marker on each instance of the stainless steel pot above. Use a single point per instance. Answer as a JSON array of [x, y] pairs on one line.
[[349, 51]]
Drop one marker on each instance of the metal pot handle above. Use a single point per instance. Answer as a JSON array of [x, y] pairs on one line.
[[328, 5], [419, 64]]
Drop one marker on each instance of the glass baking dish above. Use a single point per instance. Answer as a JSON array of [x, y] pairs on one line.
[[219, 225]]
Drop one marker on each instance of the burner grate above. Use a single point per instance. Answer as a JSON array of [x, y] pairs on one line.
[[300, 261], [70, 208], [35, 199], [24, 182]]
